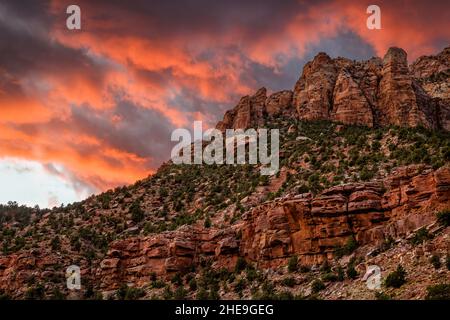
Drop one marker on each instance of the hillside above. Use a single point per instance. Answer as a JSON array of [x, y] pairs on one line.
[[364, 179]]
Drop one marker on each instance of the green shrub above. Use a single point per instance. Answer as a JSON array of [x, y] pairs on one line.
[[382, 296], [317, 286], [129, 293], [420, 236], [396, 278], [387, 244], [4, 296], [163, 192], [202, 294], [57, 295], [329, 277], [251, 274], [35, 293], [214, 292], [340, 274], [366, 174], [176, 279], [304, 269], [325, 267], [293, 264], [240, 265], [137, 215], [156, 284], [180, 293], [350, 246], [55, 243], [288, 282], [284, 295], [435, 260], [193, 284], [167, 294], [438, 292], [268, 291], [240, 286], [351, 271], [444, 218], [207, 223]]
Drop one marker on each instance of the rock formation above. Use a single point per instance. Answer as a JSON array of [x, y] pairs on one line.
[[313, 91], [313, 227], [371, 93]]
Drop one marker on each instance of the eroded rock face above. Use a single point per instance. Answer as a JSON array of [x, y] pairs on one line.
[[251, 111], [350, 105], [280, 103], [433, 72], [313, 228], [310, 227], [314, 90], [374, 92], [136, 259], [398, 104]]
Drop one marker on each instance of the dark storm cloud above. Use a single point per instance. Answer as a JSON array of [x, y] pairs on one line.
[[157, 19], [139, 131], [26, 49]]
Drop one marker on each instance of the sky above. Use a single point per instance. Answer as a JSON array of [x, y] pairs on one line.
[[82, 111]]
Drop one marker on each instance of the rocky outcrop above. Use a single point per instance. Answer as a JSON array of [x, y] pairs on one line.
[[249, 112], [252, 110], [314, 227], [377, 92], [433, 73], [313, 91], [280, 103], [310, 227], [397, 99], [134, 260], [350, 105]]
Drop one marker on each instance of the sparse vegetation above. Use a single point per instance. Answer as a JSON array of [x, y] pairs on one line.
[[396, 278], [129, 293], [351, 271], [240, 265], [288, 282], [435, 260], [137, 215], [420, 236], [293, 264], [382, 296], [438, 292], [350, 246], [330, 277], [317, 286], [444, 218]]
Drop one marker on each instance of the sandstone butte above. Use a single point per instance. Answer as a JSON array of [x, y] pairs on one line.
[[373, 93], [376, 92]]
